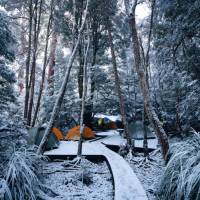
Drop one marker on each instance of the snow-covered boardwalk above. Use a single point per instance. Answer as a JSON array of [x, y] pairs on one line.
[[126, 184], [113, 138]]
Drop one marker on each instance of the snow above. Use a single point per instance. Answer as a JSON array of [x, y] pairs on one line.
[[107, 133], [112, 118], [126, 183], [149, 172], [91, 181], [71, 148], [114, 138]]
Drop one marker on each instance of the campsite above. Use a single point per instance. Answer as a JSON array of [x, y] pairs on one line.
[[99, 100]]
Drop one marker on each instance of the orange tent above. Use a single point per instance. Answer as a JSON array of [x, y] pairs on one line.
[[74, 133], [57, 133], [112, 125]]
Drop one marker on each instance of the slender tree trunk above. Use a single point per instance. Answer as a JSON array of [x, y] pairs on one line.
[[44, 66], [95, 45], [52, 62], [23, 51], [145, 141], [127, 3], [28, 60], [147, 58], [60, 96], [160, 133], [80, 73], [37, 19], [82, 126], [177, 124], [80, 51], [117, 83]]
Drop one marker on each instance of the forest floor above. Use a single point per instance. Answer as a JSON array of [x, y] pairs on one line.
[[87, 181], [149, 172]]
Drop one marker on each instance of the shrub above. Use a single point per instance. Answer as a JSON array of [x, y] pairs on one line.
[[22, 176], [181, 179]]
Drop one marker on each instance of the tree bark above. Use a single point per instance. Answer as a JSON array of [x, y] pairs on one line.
[[26, 100], [52, 62], [37, 19], [117, 83], [82, 125], [80, 51], [44, 65], [60, 96], [160, 133], [23, 51], [95, 45], [145, 141]]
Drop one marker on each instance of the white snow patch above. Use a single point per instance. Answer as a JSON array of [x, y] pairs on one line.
[[149, 172], [112, 118], [91, 181]]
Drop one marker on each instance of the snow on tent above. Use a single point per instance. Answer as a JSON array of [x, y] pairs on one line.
[[74, 133], [36, 134]]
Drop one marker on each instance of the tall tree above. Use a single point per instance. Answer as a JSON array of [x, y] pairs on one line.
[[52, 61], [82, 125], [44, 64], [28, 59], [60, 96], [36, 30], [153, 118], [118, 88]]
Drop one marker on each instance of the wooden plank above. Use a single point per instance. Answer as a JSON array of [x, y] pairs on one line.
[[126, 184]]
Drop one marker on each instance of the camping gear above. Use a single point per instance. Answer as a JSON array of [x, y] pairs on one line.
[[105, 123], [100, 122], [74, 133], [112, 125], [57, 133], [36, 134]]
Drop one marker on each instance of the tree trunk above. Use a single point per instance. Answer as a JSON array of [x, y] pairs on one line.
[[145, 141], [44, 66], [52, 62], [95, 45], [60, 96], [160, 133], [82, 125], [80, 72], [117, 83], [79, 15], [28, 60], [37, 19], [23, 50]]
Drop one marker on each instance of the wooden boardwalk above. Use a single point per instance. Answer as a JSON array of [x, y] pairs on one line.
[[126, 184], [113, 138]]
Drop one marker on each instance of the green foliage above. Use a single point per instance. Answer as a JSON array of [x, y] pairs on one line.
[[7, 77], [181, 179], [176, 34], [22, 176], [177, 47], [6, 38]]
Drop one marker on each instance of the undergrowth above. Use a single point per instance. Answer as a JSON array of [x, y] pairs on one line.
[[21, 181], [181, 179]]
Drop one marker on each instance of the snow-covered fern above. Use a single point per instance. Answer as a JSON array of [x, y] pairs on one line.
[[181, 179], [5, 192], [21, 177]]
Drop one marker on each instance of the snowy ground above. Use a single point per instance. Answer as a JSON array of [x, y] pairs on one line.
[[150, 172], [91, 181]]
